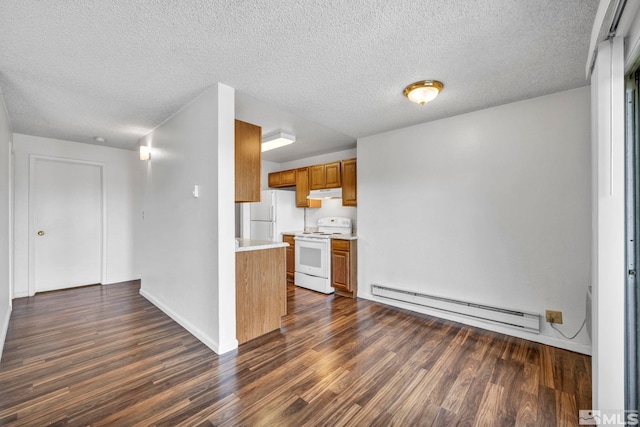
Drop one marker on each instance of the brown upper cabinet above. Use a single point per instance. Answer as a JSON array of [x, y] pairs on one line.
[[248, 156], [349, 183], [283, 178], [302, 190], [319, 177], [324, 176]]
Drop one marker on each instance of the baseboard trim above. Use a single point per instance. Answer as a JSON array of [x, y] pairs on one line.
[[118, 281], [539, 338], [22, 294], [206, 340], [5, 329]]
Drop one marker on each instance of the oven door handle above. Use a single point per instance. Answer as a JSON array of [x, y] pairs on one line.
[[310, 239]]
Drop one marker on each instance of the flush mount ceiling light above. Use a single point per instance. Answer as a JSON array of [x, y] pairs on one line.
[[277, 140], [423, 91]]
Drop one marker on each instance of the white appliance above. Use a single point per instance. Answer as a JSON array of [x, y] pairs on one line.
[[313, 254], [274, 213], [330, 193]]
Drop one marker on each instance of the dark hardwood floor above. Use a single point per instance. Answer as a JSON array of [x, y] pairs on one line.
[[103, 355]]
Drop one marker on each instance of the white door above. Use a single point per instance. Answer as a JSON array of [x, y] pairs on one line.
[[263, 230], [265, 209], [66, 224]]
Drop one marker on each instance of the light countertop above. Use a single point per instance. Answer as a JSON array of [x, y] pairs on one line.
[[344, 236], [255, 245]]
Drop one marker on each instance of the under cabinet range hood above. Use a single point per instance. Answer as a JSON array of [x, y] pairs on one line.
[[329, 193]]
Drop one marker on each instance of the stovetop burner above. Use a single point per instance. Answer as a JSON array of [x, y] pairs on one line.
[[330, 226]]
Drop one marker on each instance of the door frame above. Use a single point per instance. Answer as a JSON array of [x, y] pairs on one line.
[[631, 236], [11, 223], [33, 158]]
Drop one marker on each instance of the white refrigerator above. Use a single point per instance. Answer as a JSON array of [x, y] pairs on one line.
[[275, 213]]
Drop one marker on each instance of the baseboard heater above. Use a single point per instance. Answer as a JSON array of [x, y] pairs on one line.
[[516, 319]]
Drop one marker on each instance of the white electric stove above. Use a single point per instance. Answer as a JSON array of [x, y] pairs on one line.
[[313, 254]]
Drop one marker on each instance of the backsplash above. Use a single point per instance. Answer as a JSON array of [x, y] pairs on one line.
[[331, 207]]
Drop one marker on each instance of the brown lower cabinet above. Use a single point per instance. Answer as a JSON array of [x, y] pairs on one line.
[[261, 292], [344, 267], [290, 257]]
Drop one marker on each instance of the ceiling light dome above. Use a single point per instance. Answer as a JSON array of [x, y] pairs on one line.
[[423, 91]]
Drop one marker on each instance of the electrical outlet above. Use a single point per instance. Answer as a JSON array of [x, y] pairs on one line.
[[554, 316]]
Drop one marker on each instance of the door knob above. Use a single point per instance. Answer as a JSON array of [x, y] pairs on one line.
[[40, 233]]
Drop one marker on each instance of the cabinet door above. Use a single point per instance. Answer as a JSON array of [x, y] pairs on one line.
[[344, 274], [349, 183], [340, 269], [248, 155], [282, 179], [302, 190], [288, 178], [275, 178], [332, 175], [290, 258], [316, 177]]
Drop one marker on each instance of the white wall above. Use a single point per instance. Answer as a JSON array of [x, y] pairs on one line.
[[123, 203], [266, 168], [188, 248], [607, 82], [331, 207], [5, 222], [317, 160], [490, 207]]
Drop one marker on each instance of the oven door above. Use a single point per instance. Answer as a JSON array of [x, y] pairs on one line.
[[312, 256]]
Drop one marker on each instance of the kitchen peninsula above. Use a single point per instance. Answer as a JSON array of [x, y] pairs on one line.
[[261, 287]]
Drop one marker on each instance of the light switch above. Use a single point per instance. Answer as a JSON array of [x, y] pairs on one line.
[[196, 191]]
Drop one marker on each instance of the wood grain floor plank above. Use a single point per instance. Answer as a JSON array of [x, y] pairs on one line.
[[475, 394], [547, 367], [406, 400], [444, 418], [412, 407], [103, 355], [528, 410], [401, 385], [567, 409], [423, 415], [456, 396], [547, 415], [490, 407], [306, 414], [531, 378]]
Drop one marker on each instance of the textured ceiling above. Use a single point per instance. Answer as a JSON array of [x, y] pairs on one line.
[[73, 69]]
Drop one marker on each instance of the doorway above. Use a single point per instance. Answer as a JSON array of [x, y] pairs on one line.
[[66, 223]]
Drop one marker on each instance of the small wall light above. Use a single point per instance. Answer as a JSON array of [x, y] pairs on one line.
[[423, 91], [145, 152], [277, 140]]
